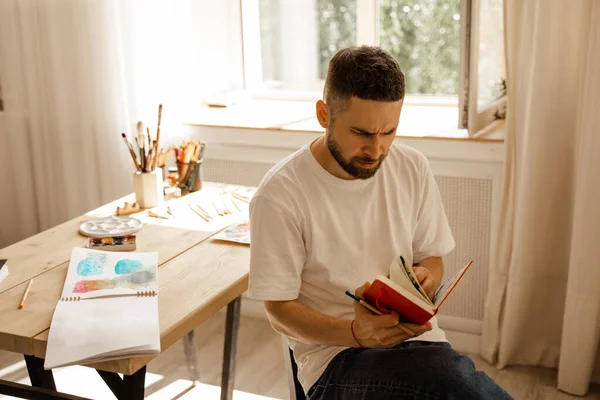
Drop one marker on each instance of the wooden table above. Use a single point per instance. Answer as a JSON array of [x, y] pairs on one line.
[[197, 277]]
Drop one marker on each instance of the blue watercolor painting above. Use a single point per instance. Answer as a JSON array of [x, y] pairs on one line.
[[128, 266], [92, 265]]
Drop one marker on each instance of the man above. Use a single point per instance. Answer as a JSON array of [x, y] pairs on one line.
[[334, 215]]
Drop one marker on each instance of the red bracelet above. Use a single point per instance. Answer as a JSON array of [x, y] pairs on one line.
[[354, 336]]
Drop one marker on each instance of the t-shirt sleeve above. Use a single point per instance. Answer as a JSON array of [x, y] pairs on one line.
[[433, 237], [277, 252]]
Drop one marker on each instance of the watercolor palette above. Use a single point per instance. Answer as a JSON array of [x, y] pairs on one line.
[[110, 226]]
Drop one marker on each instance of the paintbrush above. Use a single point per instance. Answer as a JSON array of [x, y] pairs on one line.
[[138, 166], [149, 137], [141, 145], [151, 156], [157, 134], [201, 151]]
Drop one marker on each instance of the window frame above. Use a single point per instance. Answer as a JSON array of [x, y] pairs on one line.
[[471, 117], [367, 32]]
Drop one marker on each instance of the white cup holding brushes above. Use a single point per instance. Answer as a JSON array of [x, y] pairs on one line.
[[148, 188], [147, 179]]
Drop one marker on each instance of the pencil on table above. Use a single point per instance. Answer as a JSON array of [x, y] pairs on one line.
[[199, 213], [227, 210], [204, 211], [376, 311], [235, 204], [240, 197], [22, 303]]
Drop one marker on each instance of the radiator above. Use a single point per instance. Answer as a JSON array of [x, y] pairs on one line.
[[468, 206]]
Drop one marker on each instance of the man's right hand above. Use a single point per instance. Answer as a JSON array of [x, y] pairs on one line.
[[381, 331]]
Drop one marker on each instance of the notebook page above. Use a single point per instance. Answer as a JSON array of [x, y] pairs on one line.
[[87, 330]]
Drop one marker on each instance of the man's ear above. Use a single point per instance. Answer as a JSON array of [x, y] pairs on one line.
[[323, 114]]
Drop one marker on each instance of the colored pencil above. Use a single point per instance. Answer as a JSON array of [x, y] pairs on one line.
[[22, 303], [199, 213]]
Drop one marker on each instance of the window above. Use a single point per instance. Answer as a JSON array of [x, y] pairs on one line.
[[295, 42], [424, 37], [451, 51]]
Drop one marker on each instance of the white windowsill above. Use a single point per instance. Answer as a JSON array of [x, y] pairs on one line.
[[416, 121]]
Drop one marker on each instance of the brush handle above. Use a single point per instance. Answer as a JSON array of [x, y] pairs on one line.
[[157, 144], [149, 137], [138, 166]]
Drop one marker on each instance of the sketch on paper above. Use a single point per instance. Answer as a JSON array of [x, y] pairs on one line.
[[136, 281], [91, 265], [128, 266], [239, 233], [99, 273]]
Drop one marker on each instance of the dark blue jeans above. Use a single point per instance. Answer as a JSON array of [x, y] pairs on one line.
[[411, 370]]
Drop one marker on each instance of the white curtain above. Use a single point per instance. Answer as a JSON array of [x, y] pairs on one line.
[[64, 109], [543, 306], [75, 74]]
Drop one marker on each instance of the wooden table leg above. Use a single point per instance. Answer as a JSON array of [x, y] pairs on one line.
[[38, 375], [230, 349], [191, 356]]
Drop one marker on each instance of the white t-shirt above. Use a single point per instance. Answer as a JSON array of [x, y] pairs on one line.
[[314, 236]]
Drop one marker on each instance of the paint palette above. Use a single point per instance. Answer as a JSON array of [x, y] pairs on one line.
[[110, 226]]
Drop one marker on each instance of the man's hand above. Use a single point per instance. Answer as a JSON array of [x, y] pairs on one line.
[[380, 331], [426, 280]]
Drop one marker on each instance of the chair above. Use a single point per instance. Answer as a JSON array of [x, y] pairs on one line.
[[296, 390]]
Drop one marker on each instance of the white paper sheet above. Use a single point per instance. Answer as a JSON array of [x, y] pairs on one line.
[[111, 322], [3, 271]]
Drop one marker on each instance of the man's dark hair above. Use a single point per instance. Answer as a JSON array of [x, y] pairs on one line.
[[366, 72]]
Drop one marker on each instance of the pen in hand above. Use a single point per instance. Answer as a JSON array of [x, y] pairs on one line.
[[376, 311]]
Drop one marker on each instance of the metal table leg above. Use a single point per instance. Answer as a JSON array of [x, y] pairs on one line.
[[230, 349], [191, 356], [38, 375], [131, 387]]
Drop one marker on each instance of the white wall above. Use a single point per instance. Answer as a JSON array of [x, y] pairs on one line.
[[177, 53]]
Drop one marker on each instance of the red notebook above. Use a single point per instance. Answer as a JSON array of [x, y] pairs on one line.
[[406, 296]]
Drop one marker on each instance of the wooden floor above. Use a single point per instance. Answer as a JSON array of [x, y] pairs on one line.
[[260, 370]]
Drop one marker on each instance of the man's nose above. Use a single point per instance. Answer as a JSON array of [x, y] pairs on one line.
[[374, 149]]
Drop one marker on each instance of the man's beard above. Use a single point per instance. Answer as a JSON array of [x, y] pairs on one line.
[[348, 165]]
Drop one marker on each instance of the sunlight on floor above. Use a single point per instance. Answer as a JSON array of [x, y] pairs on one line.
[[200, 391], [85, 382], [12, 369]]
